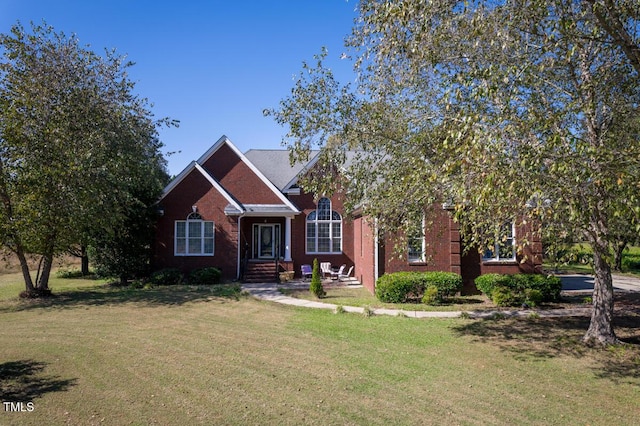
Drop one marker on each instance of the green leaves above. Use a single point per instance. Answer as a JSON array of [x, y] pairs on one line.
[[77, 146]]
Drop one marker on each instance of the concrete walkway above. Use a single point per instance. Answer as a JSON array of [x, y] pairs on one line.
[[570, 284]]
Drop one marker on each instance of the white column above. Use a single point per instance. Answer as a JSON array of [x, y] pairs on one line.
[[287, 239]]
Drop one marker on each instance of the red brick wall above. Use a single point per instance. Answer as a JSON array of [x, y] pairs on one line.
[[238, 179], [364, 248], [196, 190], [473, 266], [444, 253], [307, 204], [442, 244]]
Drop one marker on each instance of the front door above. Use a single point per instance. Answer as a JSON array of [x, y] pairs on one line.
[[265, 240]]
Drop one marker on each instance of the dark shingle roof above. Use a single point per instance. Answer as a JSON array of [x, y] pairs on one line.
[[275, 166]]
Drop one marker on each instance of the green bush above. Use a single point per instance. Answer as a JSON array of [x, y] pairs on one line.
[[431, 296], [488, 282], [447, 283], [580, 254], [549, 287], [167, 276], [205, 276], [532, 297], [399, 287], [68, 273], [631, 263], [503, 296], [316, 283]]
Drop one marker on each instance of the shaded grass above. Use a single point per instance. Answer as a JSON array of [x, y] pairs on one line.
[[180, 355]]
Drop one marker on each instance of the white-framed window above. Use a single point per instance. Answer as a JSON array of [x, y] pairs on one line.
[[324, 229], [194, 236], [504, 246], [416, 244]]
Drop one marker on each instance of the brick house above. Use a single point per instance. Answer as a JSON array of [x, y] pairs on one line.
[[245, 214]]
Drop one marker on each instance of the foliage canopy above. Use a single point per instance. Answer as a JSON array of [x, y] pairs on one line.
[[79, 150], [507, 109]]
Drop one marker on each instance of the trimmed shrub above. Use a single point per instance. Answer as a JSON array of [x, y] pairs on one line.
[[549, 287], [532, 297], [488, 282], [205, 276], [167, 276], [431, 295], [399, 287], [447, 283], [503, 296], [316, 283]]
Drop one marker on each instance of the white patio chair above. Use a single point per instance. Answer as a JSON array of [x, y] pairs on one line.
[[339, 272], [325, 268], [347, 275]]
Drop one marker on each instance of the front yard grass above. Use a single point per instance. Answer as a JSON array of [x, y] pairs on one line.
[[190, 355]]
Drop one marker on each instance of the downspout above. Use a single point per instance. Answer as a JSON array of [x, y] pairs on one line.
[[239, 262], [376, 253]]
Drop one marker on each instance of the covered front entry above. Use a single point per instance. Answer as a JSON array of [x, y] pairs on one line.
[[266, 240]]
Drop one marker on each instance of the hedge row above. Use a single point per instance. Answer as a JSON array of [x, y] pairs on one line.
[[173, 276], [513, 290], [431, 287]]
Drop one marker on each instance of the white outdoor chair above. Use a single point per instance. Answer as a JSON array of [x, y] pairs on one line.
[[347, 275], [325, 268], [338, 272]]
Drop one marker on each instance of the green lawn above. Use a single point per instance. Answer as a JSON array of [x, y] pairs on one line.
[[186, 355], [11, 284]]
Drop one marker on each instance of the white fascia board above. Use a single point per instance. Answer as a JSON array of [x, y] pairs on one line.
[[184, 173], [305, 169], [223, 139], [262, 177]]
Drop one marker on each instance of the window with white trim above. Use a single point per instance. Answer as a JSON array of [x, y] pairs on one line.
[[504, 246], [416, 244], [194, 236], [324, 229]]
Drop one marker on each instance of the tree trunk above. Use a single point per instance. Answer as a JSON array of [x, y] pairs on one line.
[[24, 267], [84, 261], [600, 330], [43, 278], [617, 259]]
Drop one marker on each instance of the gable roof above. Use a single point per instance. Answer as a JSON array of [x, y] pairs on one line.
[[234, 207], [197, 167], [275, 164]]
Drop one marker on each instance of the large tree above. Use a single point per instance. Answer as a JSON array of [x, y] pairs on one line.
[[74, 141], [510, 110]]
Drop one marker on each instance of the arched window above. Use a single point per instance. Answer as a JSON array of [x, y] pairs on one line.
[[194, 236], [324, 229]]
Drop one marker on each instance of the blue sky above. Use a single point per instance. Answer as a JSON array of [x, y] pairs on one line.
[[213, 65]]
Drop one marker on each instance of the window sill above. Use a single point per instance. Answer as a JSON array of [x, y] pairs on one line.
[[193, 255], [332, 253], [499, 262]]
